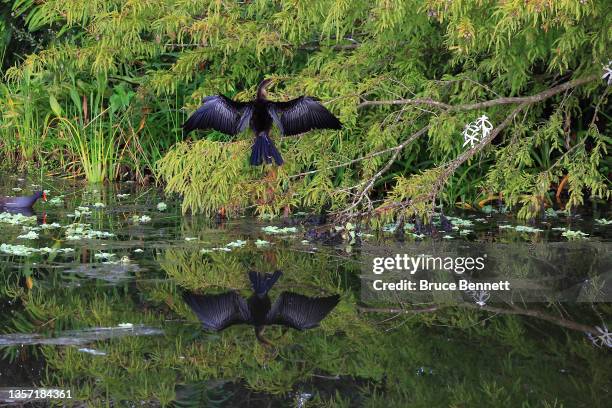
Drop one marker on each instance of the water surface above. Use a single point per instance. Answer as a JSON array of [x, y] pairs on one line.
[[91, 302]]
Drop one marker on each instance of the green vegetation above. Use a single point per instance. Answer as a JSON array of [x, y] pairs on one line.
[[99, 89], [93, 266], [452, 357]]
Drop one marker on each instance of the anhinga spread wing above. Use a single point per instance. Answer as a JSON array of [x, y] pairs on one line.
[[216, 312], [299, 311], [220, 113], [301, 115]]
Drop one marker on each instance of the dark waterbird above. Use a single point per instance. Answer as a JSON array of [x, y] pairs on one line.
[[292, 118], [22, 201], [219, 311]]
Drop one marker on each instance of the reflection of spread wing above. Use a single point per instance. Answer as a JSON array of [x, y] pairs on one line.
[[299, 311], [220, 113], [301, 115], [216, 312]]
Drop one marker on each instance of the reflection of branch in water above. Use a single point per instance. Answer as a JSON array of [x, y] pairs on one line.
[[559, 321]]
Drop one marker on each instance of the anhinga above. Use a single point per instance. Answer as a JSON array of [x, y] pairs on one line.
[[292, 118], [219, 311]]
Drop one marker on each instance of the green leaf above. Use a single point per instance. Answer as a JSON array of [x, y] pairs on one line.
[[55, 106]]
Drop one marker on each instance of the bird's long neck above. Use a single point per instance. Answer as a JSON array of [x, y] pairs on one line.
[[262, 95], [261, 90], [259, 335]]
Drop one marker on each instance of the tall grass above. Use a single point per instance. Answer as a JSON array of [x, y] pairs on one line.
[[91, 128], [23, 120]]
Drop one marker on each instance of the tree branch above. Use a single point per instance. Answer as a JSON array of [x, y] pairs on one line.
[[363, 193], [486, 104], [450, 167], [559, 321]]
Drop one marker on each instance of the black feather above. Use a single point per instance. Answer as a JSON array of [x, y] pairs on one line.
[[220, 113], [301, 115], [216, 312], [264, 150], [299, 311], [263, 282]]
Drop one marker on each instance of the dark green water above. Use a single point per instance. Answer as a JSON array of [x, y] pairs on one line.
[[100, 312]]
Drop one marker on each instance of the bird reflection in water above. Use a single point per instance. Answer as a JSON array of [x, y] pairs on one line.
[[219, 311]]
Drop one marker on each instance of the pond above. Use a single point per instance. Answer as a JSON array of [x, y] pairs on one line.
[[95, 302]]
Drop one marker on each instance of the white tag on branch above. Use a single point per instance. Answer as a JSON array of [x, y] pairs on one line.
[[476, 131], [608, 72]]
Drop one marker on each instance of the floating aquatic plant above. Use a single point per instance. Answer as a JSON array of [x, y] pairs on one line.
[[224, 249], [55, 201], [98, 205], [47, 250], [22, 250], [460, 222], [79, 212], [574, 235], [526, 228], [488, 209], [29, 235], [603, 221], [17, 218], [19, 250], [520, 228], [104, 255], [91, 351], [124, 195], [51, 226], [162, 206], [273, 229], [261, 243], [143, 219], [78, 231], [389, 227], [550, 213], [236, 244]]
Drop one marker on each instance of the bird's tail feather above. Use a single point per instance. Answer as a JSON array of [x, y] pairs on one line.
[[264, 150], [262, 283]]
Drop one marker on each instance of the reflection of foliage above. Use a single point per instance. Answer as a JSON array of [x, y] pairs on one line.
[[470, 360], [201, 394]]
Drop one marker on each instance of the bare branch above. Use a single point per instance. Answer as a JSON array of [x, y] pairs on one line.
[[559, 321], [363, 193], [486, 104]]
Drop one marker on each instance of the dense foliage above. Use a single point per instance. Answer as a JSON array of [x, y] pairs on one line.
[[101, 87]]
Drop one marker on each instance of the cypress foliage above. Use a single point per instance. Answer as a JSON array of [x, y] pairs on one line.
[[388, 69]]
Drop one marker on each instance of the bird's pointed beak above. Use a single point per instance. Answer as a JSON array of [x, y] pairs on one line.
[[44, 196]]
